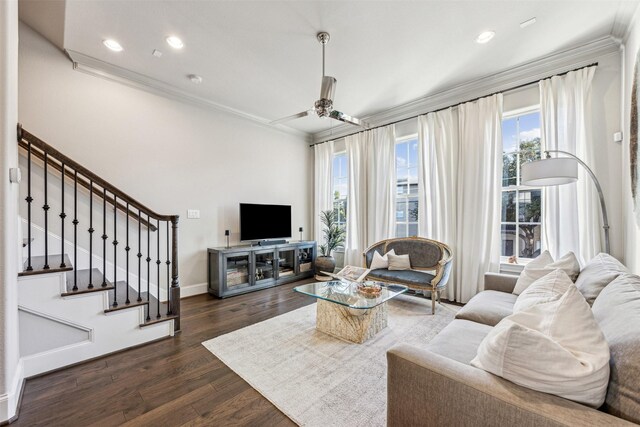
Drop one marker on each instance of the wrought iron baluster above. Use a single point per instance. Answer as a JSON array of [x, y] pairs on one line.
[[127, 249], [158, 264], [169, 312], [148, 268], [45, 208], [91, 230], [62, 217], [104, 237], [29, 199], [115, 250], [75, 230], [139, 256]]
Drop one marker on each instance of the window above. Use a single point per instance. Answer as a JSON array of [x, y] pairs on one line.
[[521, 225], [407, 187], [340, 187]]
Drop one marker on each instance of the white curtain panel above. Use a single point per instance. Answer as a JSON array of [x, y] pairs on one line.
[[438, 182], [572, 219], [371, 187], [478, 198], [356, 240], [381, 184], [322, 181]]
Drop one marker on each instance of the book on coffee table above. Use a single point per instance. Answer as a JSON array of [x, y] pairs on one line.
[[351, 273]]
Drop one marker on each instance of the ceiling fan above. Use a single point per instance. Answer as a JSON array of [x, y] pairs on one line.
[[323, 107]]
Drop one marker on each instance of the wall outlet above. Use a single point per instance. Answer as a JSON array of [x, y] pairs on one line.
[[193, 214]]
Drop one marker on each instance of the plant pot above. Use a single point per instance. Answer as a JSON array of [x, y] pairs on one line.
[[325, 263]]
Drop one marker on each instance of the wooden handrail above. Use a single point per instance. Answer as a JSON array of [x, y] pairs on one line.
[[85, 183], [25, 137], [70, 170]]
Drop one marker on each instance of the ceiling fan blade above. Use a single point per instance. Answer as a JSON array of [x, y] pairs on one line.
[[328, 88], [293, 117], [335, 114]]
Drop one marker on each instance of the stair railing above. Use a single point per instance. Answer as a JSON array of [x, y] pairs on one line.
[[79, 176]]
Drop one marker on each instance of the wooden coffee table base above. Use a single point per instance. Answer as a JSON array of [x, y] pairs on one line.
[[350, 324]]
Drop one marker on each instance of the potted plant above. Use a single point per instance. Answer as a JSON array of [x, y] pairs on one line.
[[334, 235]]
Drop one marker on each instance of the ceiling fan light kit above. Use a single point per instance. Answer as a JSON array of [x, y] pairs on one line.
[[323, 107]]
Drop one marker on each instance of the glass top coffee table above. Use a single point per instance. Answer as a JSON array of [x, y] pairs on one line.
[[347, 313]]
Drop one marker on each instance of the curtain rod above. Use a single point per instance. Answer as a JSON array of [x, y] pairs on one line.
[[520, 86]]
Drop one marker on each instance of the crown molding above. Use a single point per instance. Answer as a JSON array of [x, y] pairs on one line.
[[623, 19], [532, 71], [98, 68], [631, 23]]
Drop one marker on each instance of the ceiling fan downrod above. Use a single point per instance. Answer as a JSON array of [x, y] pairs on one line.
[[324, 105]]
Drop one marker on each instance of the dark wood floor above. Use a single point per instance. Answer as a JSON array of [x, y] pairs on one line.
[[172, 382]]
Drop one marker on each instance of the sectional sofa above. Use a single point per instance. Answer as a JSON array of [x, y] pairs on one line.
[[438, 386]]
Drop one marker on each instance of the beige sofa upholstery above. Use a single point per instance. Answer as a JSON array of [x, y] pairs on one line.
[[437, 386]]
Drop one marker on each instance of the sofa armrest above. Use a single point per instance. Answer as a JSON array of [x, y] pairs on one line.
[[427, 389], [500, 282]]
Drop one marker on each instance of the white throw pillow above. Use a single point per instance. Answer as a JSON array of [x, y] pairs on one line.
[[555, 347], [380, 261], [597, 274], [543, 265], [399, 262], [547, 288]]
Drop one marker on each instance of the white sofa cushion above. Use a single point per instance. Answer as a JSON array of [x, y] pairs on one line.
[[543, 265], [598, 273], [554, 347], [547, 288], [380, 261], [399, 262]]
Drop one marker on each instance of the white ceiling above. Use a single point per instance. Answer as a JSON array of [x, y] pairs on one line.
[[262, 57]]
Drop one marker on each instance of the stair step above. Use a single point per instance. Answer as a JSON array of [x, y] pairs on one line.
[[153, 311], [38, 264], [121, 288], [83, 282]]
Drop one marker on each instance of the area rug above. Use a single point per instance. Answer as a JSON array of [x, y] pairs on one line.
[[318, 380]]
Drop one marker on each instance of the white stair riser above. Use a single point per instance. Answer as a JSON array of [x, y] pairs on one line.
[[37, 249], [108, 332]]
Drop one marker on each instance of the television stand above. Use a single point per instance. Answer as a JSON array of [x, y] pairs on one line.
[[242, 269], [269, 242]]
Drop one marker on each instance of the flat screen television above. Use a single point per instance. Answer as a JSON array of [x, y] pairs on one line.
[[259, 222]]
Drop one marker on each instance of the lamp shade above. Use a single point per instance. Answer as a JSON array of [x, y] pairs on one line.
[[552, 171]]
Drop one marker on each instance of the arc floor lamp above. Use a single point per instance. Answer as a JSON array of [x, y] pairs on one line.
[[552, 171]]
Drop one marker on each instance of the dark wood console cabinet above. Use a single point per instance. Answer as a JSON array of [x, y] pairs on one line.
[[241, 269]]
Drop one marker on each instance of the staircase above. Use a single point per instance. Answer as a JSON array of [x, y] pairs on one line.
[[95, 259]]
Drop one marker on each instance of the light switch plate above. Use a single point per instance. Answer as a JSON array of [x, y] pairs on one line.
[[617, 137], [193, 214]]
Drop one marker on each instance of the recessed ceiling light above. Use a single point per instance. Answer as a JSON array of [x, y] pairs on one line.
[[196, 79], [175, 42], [528, 22], [485, 36], [113, 45]]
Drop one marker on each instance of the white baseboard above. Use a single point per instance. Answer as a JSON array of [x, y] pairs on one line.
[[191, 290], [9, 401]]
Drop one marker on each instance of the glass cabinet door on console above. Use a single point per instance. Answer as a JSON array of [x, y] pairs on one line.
[[241, 269], [264, 266], [286, 262], [237, 270], [306, 255]]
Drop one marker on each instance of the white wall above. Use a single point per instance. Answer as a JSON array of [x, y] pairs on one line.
[[169, 155], [632, 231], [10, 372]]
